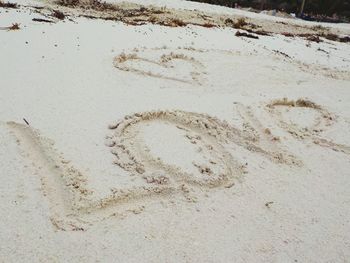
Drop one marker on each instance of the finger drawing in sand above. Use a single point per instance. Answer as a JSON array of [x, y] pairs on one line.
[[207, 136], [198, 154], [162, 63], [290, 116], [156, 131], [73, 204]]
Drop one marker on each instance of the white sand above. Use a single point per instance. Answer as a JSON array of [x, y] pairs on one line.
[[207, 167]]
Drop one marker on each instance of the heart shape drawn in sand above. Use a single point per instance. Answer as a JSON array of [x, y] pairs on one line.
[[159, 63]]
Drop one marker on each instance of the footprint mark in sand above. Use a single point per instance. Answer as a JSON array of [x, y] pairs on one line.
[[160, 63], [321, 121]]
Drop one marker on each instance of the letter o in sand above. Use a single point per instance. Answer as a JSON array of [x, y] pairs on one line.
[[175, 147]]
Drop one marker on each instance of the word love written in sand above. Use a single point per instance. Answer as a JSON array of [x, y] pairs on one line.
[[172, 152]]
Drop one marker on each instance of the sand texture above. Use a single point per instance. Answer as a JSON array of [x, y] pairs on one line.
[[172, 131]]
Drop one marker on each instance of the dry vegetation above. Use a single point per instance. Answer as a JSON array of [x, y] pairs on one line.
[[68, 2], [240, 23], [136, 15], [42, 20], [14, 26], [175, 22], [318, 37], [335, 37], [304, 103], [8, 5], [92, 4], [243, 34], [140, 15], [58, 14], [319, 28], [125, 57]]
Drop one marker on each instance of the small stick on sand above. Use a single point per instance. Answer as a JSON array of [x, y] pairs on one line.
[[26, 121]]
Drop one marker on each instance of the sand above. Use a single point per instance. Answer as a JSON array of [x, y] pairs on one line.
[[166, 143]]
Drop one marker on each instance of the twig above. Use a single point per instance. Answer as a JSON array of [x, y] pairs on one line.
[[26, 121]]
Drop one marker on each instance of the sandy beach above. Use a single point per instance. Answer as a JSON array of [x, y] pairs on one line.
[[151, 131]]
